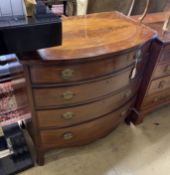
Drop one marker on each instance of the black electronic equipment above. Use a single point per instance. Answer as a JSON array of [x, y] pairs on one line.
[[14, 154], [19, 33]]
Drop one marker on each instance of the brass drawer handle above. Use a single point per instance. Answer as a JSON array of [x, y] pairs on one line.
[[128, 94], [68, 115], [67, 74], [68, 95], [124, 113], [167, 69], [162, 84], [68, 136]]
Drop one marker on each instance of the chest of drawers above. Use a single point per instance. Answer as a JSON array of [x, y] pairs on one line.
[[155, 88], [80, 91]]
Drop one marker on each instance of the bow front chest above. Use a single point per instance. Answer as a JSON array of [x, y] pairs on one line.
[[80, 91]]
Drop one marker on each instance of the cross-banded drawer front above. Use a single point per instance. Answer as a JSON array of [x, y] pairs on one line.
[[159, 85], [84, 133], [81, 71], [79, 114], [156, 99], [81, 93], [162, 70]]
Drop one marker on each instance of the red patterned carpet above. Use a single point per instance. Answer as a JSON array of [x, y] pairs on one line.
[[13, 97]]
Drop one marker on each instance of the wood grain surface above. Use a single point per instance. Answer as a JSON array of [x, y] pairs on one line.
[[97, 34]]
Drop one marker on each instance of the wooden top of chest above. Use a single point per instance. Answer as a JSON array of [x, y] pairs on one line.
[[156, 22], [97, 34]]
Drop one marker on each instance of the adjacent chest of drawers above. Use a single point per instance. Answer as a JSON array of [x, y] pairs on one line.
[[79, 92], [155, 88]]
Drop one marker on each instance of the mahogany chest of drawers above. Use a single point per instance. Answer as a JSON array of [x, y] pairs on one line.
[[155, 87], [80, 91]]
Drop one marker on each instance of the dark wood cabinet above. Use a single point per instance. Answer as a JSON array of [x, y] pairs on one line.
[[82, 90], [155, 89]]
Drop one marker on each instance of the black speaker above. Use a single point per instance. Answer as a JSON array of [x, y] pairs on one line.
[[21, 158], [32, 36]]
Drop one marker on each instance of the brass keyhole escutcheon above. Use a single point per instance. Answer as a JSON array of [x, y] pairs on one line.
[[68, 95], [67, 74], [68, 136], [162, 84], [68, 115]]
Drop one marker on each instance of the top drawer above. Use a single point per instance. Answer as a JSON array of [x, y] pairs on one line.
[[81, 93], [165, 55], [80, 71]]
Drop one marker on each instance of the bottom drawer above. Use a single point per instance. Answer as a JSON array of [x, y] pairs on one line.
[[84, 133], [157, 99]]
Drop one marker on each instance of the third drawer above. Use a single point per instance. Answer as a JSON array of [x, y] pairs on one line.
[[74, 115], [86, 132]]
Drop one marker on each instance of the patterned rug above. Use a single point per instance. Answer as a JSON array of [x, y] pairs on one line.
[[13, 97]]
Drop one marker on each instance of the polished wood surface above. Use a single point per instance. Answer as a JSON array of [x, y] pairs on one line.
[[52, 73], [157, 100], [162, 70], [84, 133], [97, 34], [58, 118], [159, 85], [154, 91], [82, 90], [156, 22], [53, 96]]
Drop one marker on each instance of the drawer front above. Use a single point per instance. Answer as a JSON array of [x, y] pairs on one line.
[[159, 85], [158, 99], [165, 55], [70, 116], [84, 133], [162, 70], [82, 71], [80, 94]]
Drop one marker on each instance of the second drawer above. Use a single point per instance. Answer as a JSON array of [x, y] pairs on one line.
[[70, 116], [61, 96]]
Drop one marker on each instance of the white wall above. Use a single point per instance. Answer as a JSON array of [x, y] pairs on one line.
[[82, 7], [17, 7]]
